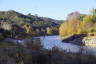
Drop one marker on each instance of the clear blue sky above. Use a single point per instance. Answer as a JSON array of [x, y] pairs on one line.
[[57, 9]]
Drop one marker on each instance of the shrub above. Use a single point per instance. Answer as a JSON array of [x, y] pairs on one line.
[[1, 37]]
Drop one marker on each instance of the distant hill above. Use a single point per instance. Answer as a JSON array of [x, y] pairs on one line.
[[19, 19]]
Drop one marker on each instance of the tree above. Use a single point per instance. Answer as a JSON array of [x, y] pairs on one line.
[[49, 30], [87, 19], [63, 29], [80, 18], [69, 27], [87, 23], [73, 26], [93, 12], [29, 14], [73, 15], [29, 29]]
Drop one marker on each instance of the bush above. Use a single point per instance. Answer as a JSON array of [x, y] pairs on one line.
[[1, 37]]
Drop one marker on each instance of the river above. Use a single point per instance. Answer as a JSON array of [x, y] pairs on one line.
[[50, 41]]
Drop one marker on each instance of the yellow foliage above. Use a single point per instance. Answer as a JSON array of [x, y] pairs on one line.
[[79, 31], [75, 26], [87, 19], [49, 30], [69, 28], [63, 29], [21, 62], [29, 29]]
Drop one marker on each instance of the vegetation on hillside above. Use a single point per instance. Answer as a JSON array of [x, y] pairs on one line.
[[14, 25]]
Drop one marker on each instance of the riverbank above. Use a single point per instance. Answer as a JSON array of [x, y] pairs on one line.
[[36, 54]]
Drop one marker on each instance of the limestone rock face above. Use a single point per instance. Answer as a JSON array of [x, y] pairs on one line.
[[90, 41], [5, 26]]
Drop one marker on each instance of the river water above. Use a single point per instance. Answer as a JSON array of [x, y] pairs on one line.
[[50, 41]]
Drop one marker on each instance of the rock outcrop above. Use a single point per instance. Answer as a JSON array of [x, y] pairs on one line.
[[75, 39]]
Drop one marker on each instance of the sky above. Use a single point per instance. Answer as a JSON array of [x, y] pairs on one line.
[[56, 9]]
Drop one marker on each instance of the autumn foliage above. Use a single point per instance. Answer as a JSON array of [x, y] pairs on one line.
[[82, 24]]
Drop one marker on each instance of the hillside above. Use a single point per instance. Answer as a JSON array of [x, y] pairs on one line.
[[19, 18], [15, 24]]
